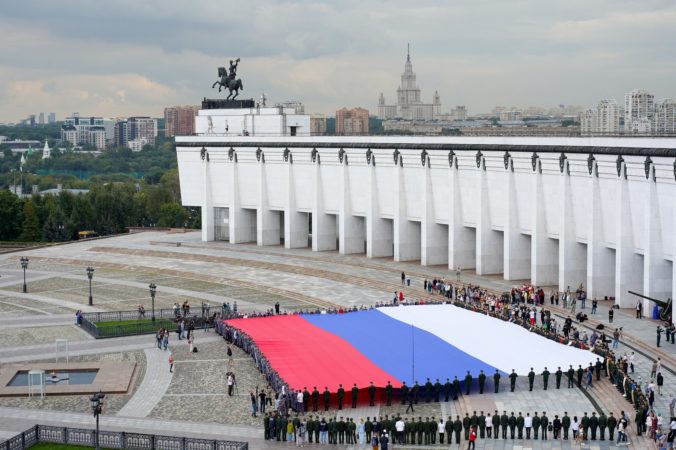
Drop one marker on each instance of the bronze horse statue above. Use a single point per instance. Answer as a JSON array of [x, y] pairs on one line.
[[228, 83]]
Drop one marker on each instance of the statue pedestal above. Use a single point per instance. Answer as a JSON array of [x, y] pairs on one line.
[[219, 103]]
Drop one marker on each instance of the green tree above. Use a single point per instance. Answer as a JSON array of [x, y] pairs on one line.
[[172, 215], [10, 215], [30, 231]]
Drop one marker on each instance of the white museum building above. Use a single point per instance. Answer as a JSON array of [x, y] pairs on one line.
[[556, 211]]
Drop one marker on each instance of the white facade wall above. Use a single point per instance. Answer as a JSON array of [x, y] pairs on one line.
[[526, 215]]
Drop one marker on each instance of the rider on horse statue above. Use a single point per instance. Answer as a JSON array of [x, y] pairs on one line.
[[232, 70]]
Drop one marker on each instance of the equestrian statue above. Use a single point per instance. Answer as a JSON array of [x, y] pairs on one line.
[[228, 80]]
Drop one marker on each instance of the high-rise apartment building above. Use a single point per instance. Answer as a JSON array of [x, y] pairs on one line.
[[41, 118], [121, 133], [318, 125], [180, 120], [664, 121], [353, 121], [84, 130], [639, 111], [142, 128], [51, 118], [602, 120]]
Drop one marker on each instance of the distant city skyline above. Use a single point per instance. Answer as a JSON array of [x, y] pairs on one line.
[[126, 58]]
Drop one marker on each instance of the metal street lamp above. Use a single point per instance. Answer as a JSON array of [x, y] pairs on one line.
[[153, 290], [96, 402], [24, 265], [90, 275]]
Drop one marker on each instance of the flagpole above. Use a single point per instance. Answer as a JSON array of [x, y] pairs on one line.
[[412, 354]]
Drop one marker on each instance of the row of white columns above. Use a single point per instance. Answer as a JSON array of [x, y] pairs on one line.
[[543, 259]]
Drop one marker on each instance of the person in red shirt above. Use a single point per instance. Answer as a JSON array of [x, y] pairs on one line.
[[472, 438], [401, 296]]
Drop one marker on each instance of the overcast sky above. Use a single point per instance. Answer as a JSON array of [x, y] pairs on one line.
[[121, 57]]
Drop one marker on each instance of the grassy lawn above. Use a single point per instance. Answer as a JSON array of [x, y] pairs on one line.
[[159, 323], [130, 327], [54, 446]]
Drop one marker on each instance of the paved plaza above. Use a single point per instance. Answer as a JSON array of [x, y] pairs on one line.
[[193, 399]]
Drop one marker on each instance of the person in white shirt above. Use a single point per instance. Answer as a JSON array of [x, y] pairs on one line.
[[621, 436], [575, 426], [399, 426], [441, 430], [632, 357], [489, 425], [528, 424], [299, 401]]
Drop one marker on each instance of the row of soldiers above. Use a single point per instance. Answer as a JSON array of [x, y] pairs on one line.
[[450, 389], [428, 432]]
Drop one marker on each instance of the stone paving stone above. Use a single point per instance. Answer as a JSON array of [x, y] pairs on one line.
[[155, 383], [39, 335]]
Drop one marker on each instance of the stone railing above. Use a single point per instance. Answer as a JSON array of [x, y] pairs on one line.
[[114, 439]]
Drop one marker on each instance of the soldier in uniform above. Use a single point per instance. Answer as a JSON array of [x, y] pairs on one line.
[[565, 424], [545, 378], [351, 431], [531, 379], [408, 433], [310, 427], [368, 428], [495, 420], [466, 423], [420, 429], [341, 431], [355, 394], [598, 367], [448, 426], [474, 421], [603, 423], [283, 424], [512, 425], [428, 390], [468, 382], [437, 390], [266, 428], [558, 375], [504, 421], [315, 399], [388, 394], [372, 395], [456, 388], [544, 423], [536, 424], [333, 431], [482, 383], [580, 372], [306, 399], [403, 392], [496, 381], [426, 431], [447, 390], [584, 426], [482, 425], [415, 390], [570, 374], [341, 394], [512, 380], [593, 425], [612, 423], [327, 398], [432, 427], [519, 425], [457, 426]]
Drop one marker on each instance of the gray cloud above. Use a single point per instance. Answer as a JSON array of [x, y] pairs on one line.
[[130, 57]]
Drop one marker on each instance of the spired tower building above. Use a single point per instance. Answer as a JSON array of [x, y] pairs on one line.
[[409, 106]]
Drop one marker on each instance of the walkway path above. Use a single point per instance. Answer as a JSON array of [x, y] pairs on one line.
[[53, 301], [90, 347], [153, 387]]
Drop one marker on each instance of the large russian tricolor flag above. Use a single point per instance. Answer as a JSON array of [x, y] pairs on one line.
[[404, 343]]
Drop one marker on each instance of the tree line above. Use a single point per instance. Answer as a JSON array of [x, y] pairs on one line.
[[125, 189]]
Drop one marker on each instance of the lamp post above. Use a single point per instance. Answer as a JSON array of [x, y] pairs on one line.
[[96, 402], [153, 289], [24, 266], [90, 275]]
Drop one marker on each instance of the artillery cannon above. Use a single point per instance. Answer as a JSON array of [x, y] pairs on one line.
[[664, 307]]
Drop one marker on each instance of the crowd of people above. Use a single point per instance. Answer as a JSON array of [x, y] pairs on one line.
[[403, 430], [524, 306]]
